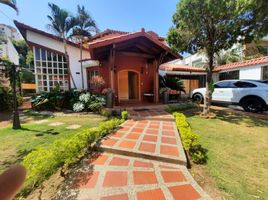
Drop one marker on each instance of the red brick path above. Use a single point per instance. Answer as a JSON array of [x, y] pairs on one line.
[[143, 160]]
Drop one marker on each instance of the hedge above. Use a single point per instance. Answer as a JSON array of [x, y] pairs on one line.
[[180, 107], [45, 161], [190, 140]]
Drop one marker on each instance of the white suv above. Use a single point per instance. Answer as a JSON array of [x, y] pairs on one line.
[[252, 95]]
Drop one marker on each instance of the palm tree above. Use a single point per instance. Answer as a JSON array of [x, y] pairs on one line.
[[85, 27], [10, 3], [61, 23]]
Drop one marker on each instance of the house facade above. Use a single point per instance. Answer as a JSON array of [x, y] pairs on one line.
[[194, 77], [128, 62], [7, 49]]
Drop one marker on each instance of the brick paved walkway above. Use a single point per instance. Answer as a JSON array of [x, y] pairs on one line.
[[143, 160]]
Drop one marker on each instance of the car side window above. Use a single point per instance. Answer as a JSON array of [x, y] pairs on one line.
[[242, 84], [224, 84]]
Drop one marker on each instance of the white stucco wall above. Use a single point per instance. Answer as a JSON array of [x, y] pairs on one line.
[[252, 72], [74, 55]]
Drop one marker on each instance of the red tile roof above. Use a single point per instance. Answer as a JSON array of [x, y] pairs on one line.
[[179, 67], [246, 63], [123, 37], [107, 34]]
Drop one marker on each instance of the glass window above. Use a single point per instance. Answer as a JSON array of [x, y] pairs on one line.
[[54, 57], [229, 75], [242, 84], [49, 56], [44, 57], [50, 70], [37, 54], [59, 58]]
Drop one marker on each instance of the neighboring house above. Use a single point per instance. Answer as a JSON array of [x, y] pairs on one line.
[[247, 50], [128, 62], [194, 77], [7, 49], [254, 69]]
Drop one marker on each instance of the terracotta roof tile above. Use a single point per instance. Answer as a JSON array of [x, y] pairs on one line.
[[251, 62], [179, 67]]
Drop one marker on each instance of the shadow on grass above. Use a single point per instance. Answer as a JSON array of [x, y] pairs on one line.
[[236, 118], [41, 133], [232, 117]]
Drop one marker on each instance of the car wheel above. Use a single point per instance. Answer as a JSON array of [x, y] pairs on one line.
[[198, 98], [253, 105]]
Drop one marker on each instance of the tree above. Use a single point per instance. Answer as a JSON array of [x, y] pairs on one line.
[[172, 82], [25, 53], [61, 23], [213, 26], [85, 27], [229, 56], [10, 3]]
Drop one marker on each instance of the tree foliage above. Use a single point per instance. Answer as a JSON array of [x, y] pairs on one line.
[[85, 25], [213, 26], [61, 21], [216, 25]]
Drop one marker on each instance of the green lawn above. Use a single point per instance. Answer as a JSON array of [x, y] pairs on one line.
[[15, 144], [238, 153]]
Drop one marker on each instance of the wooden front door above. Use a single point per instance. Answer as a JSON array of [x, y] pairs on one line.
[[128, 85]]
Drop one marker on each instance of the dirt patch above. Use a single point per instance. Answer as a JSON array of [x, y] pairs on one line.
[[49, 188], [206, 181]]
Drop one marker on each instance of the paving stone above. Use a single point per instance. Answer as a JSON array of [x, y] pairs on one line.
[[154, 139], [142, 178], [156, 194], [143, 160], [56, 124], [41, 121], [74, 126], [116, 197], [115, 179]]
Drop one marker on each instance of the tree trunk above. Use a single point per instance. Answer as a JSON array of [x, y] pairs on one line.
[[68, 64], [208, 95], [81, 57]]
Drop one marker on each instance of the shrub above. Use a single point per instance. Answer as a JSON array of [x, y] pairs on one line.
[[85, 98], [198, 154], [190, 140], [78, 107], [124, 115], [180, 107], [6, 99], [106, 113], [95, 107], [45, 161]]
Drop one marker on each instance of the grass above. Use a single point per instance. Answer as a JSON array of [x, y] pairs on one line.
[[15, 144], [238, 153]]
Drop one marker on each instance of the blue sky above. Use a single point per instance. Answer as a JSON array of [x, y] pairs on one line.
[[125, 15]]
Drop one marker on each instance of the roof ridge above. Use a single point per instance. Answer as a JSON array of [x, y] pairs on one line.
[[21, 25], [253, 61]]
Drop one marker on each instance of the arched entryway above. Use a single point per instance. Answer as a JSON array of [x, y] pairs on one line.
[[128, 85]]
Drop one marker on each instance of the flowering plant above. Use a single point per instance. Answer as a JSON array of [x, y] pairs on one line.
[[107, 90], [97, 81]]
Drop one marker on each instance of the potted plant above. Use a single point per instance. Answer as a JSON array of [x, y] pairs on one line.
[[109, 93], [165, 94], [97, 82]]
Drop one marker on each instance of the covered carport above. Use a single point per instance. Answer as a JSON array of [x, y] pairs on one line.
[[192, 77]]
